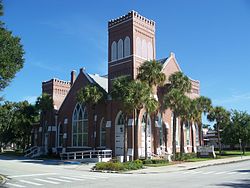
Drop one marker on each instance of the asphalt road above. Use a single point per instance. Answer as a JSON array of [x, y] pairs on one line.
[[32, 173]]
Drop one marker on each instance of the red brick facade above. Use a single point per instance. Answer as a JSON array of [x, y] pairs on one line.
[[131, 42]]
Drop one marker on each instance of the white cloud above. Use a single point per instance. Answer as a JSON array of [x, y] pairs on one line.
[[233, 99]]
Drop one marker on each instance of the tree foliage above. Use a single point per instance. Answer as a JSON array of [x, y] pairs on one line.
[[11, 54], [222, 117], [175, 99], [91, 94], [150, 72], [16, 120], [238, 129]]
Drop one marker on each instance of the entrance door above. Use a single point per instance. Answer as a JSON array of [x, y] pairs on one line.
[[119, 140], [119, 134], [142, 149]]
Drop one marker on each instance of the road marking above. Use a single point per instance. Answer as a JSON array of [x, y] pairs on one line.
[[14, 185], [84, 177], [208, 172], [57, 179], [196, 172], [30, 175], [30, 182], [47, 181], [71, 178], [96, 176], [232, 173], [220, 173], [244, 173]]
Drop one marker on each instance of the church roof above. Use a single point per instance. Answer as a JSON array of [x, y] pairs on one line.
[[162, 61], [102, 81]]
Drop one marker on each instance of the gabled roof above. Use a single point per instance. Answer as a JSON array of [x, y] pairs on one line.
[[102, 81], [162, 61]]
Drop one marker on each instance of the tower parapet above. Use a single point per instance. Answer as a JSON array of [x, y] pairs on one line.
[[131, 15]]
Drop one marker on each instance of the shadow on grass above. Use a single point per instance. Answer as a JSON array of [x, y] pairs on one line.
[[244, 183]]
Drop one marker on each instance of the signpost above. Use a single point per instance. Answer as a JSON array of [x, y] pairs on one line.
[[206, 151], [240, 148]]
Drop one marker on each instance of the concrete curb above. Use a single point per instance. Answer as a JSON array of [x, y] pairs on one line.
[[179, 168], [3, 181], [219, 163]]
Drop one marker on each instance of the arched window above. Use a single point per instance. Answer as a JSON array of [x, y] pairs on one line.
[[126, 46], [150, 51], [177, 129], [120, 49], [60, 135], [159, 123], [80, 126], [143, 122], [121, 119], [103, 133], [113, 51], [138, 46], [144, 49]]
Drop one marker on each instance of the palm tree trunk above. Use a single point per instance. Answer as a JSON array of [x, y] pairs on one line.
[[174, 137], [192, 136], [200, 134], [165, 134], [218, 136], [146, 136], [136, 135], [155, 134], [182, 140], [125, 139]]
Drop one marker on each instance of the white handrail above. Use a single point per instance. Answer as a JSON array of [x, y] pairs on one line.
[[89, 154]]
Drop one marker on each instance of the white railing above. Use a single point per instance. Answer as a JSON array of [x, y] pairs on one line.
[[32, 152], [89, 155]]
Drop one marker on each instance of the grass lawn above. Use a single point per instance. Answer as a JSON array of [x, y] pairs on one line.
[[12, 153], [233, 153], [198, 159]]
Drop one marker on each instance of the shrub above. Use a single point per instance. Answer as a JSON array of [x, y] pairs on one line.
[[109, 166], [155, 161], [185, 156], [133, 165], [117, 166]]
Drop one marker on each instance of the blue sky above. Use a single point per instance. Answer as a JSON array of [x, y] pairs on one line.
[[211, 40]]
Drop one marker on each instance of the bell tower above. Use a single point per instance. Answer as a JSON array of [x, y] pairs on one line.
[[131, 41]]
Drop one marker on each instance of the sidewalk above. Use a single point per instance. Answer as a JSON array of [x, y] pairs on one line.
[[189, 165]]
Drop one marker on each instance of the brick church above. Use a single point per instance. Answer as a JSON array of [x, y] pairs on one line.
[[73, 127]]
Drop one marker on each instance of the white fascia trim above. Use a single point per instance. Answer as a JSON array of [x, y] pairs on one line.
[[88, 77], [168, 60]]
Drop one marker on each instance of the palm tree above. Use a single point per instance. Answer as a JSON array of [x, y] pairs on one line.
[[175, 100], [151, 105], [45, 106], [139, 92], [178, 86], [202, 105], [151, 73], [221, 116], [184, 115], [90, 95], [121, 92]]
